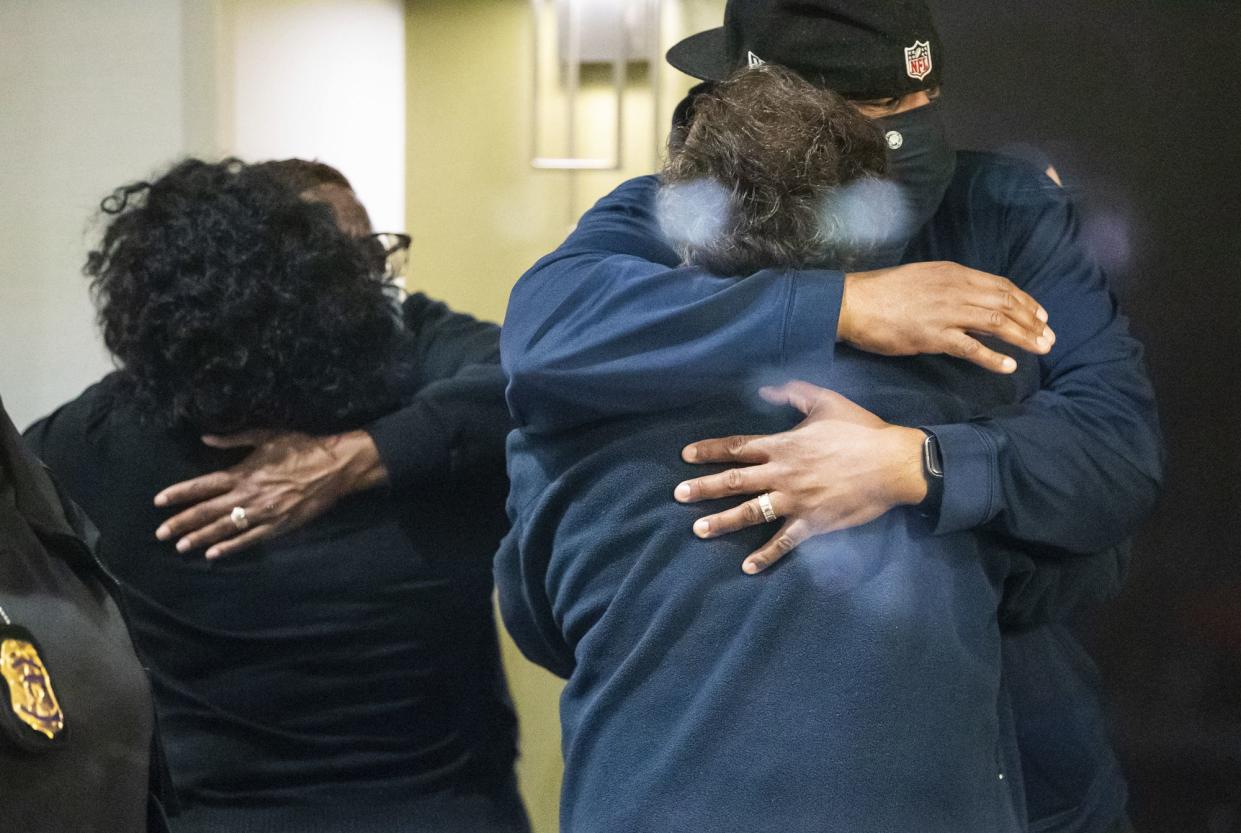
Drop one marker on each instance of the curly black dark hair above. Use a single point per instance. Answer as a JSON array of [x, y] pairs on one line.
[[753, 164], [230, 303]]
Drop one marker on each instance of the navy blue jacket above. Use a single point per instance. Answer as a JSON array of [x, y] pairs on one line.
[[857, 685]]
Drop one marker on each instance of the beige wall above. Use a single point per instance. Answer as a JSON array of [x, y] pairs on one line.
[[478, 212], [480, 215], [97, 93], [319, 79], [92, 95]]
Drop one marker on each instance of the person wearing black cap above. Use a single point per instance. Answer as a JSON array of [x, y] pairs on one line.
[[888, 58], [1066, 472]]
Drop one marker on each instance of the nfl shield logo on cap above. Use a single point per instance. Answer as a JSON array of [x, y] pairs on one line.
[[918, 60]]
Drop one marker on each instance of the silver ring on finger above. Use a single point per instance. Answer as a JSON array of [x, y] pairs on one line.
[[764, 504], [239, 519]]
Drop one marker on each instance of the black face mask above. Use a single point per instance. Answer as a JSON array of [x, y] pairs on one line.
[[919, 160]]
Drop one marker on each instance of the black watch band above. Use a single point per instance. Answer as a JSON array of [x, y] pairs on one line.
[[933, 471]]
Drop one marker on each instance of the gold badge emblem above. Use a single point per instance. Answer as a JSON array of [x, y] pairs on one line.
[[30, 687]]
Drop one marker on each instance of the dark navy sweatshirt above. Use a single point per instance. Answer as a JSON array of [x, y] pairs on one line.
[[857, 685]]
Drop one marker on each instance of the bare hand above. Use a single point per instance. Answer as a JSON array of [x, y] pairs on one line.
[[289, 479], [939, 308], [840, 467]]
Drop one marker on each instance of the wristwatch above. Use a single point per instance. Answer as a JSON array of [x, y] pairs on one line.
[[933, 471]]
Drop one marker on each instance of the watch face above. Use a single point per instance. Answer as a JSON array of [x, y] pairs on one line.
[[930, 456]]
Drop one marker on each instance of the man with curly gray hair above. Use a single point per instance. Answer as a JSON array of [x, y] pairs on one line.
[[764, 173]]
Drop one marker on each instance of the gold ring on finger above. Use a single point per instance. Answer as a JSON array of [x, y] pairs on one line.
[[764, 504]]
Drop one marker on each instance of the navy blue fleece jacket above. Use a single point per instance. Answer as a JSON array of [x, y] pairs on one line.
[[870, 662]]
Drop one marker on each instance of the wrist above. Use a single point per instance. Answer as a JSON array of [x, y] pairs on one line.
[[844, 323], [361, 466], [909, 480]]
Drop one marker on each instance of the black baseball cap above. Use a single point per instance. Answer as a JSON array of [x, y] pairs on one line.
[[859, 48]]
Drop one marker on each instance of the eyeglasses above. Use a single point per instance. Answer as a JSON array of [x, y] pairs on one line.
[[393, 248]]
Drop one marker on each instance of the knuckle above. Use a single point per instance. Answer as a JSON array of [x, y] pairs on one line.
[[964, 347], [732, 479], [995, 319], [735, 445], [783, 544], [751, 511]]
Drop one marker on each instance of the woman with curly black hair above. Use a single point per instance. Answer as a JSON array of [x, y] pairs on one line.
[[231, 303], [344, 676]]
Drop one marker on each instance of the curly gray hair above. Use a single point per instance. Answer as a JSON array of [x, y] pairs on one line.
[[755, 170]]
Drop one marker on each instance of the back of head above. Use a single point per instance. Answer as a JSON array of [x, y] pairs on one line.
[[753, 172], [232, 303], [317, 181]]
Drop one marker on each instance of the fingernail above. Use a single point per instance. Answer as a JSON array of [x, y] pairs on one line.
[[160, 500], [163, 533], [682, 492], [1009, 364], [689, 454], [212, 553], [1042, 314], [1042, 342], [1049, 335], [702, 527], [750, 567], [183, 545]]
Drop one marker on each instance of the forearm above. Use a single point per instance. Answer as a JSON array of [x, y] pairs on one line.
[[609, 325], [449, 429], [1075, 467], [360, 464]]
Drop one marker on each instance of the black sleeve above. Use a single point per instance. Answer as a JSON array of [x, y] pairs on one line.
[[454, 419], [35, 436], [1052, 586]]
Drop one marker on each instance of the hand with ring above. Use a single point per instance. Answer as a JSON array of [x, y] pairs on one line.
[[841, 467], [293, 477]]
